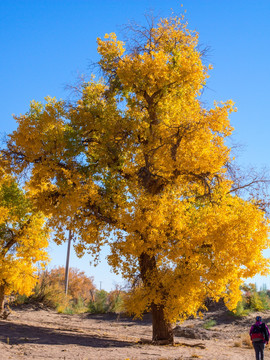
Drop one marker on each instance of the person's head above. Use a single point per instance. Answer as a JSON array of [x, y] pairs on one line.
[[258, 318]]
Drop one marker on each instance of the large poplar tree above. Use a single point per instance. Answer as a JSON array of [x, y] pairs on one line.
[[140, 164]]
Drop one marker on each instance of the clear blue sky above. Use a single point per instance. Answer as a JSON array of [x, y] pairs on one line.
[[46, 44]]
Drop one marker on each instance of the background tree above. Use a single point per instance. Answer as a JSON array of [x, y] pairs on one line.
[[50, 291], [80, 285], [23, 240], [138, 163]]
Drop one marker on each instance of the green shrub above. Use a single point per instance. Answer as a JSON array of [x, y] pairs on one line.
[[99, 305], [21, 299], [65, 310], [241, 309], [116, 301], [79, 306], [51, 295], [209, 324], [256, 302], [265, 301]]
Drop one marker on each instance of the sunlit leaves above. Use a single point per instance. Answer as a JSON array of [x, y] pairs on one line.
[[23, 239], [140, 164]]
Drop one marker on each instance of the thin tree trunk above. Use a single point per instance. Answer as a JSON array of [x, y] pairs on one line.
[[162, 330], [2, 298]]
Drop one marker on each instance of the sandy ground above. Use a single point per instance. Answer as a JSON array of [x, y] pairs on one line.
[[30, 333]]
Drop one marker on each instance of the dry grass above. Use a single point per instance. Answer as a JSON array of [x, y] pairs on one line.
[[246, 340], [243, 341], [238, 343]]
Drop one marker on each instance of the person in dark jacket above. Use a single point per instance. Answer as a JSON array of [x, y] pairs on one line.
[[259, 335]]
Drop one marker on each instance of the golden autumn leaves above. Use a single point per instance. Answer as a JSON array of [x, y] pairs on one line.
[[23, 240], [138, 163]]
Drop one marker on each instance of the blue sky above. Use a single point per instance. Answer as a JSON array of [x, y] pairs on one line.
[[45, 45]]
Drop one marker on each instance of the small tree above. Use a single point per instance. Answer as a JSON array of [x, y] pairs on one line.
[[23, 240], [99, 304], [80, 285], [116, 299]]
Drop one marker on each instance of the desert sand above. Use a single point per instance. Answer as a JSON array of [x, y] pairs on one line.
[[40, 333]]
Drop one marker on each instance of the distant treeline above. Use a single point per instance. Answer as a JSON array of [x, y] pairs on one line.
[[82, 295], [253, 300]]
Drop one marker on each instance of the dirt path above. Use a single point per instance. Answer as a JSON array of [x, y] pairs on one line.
[[44, 334]]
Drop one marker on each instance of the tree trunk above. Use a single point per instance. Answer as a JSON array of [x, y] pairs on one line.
[[2, 298], [162, 330]]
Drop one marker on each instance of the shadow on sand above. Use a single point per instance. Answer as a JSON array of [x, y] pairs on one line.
[[120, 318], [21, 334]]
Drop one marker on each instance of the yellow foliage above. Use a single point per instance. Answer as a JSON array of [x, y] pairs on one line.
[[23, 240], [140, 164]]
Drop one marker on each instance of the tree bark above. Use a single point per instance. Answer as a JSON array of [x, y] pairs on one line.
[[2, 298], [162, 330]]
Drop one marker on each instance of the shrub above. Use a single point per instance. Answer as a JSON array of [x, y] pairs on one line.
[[241, 309], [116, 301], [99, 304], [103, 302], [21, 299], [238, 343], [209, 324], [49, 294], [265, 301], [256, 302], [245, 338]]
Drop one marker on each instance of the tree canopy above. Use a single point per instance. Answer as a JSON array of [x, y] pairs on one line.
[[138, 162], [23, 240], [80, 285]]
